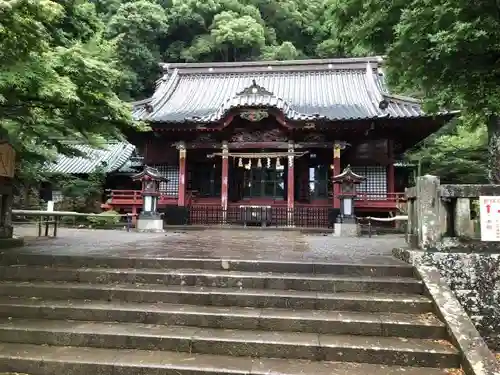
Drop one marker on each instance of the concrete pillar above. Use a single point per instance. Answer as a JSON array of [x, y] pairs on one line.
[[290, 184], [225, 179], [463, 223], [429, 210], [181, 200]]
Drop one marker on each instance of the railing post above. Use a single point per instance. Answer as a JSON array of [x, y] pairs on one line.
[[411, 224]]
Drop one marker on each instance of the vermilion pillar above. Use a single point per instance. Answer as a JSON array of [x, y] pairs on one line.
[[225, 178], [390, 169], [336, 170], [181, 200], [290, 184]]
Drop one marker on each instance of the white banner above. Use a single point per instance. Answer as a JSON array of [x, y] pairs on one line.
[[489, 211]]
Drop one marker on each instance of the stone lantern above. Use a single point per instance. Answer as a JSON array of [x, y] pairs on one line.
[[347, 181], [149, 219]]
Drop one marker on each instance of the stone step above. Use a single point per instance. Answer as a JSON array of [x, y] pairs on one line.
[[241, 343], [210, 278], [44, 360], [216, 264], [327, 322], [194, 295]]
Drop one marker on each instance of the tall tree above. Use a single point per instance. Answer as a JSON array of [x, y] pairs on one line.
[[57, 78], [455, 154], [448, 50], [137, 29]]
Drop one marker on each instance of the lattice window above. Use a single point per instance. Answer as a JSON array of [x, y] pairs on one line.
[[375, 185], [170, 172]]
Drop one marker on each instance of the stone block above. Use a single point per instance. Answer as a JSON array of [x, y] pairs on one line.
[[463, 223], [429, 210], [153, 225], [346, 230]]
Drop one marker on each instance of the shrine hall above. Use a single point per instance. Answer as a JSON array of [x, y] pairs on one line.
[[272, 135]]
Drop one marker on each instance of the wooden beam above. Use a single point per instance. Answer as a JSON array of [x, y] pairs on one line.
[[272, 145]]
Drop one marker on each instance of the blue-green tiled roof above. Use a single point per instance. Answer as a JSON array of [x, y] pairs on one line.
[[111, 157], [332, 89]]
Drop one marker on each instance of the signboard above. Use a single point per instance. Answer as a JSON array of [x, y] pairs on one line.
[[489, 211], [7, 160]]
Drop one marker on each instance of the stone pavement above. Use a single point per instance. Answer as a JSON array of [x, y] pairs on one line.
[[214, 243]]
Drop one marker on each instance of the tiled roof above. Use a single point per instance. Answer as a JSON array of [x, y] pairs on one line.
[[111, 157], [334, 89]]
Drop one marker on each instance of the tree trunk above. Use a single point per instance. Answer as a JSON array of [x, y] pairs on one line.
[[494, 149]]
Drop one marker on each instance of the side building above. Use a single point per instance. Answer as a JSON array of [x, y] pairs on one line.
[[118, 161], [271, 134]]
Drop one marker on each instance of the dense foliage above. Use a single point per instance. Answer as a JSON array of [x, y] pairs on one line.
[[448, 51], [58, 78], [67, 67]]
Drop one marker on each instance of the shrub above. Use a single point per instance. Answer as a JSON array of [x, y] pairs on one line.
[[104, 219]]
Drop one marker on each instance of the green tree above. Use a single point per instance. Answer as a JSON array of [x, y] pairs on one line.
[[455, 154], [137, 29], [57, 77], [448, 50]]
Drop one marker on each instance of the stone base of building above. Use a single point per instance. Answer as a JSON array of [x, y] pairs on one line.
[[6, 231], [151, 225], [9, 243], [346, 230]]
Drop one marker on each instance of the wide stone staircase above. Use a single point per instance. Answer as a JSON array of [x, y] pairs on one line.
[[127, 316]]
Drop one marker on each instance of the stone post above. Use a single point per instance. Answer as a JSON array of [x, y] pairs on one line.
[[463, 223], [429, 210], [410, 232]]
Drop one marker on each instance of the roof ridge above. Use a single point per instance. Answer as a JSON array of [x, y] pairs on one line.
[[274, 65]]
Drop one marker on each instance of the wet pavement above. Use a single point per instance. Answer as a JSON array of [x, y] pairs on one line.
[[215, 243]]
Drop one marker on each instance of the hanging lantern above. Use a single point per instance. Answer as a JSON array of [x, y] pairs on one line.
[[268, 163], [240, 163], [259, 163], [278, 164], [249, 165]]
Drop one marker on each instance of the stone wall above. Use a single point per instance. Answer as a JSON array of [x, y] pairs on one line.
[[475, 280]]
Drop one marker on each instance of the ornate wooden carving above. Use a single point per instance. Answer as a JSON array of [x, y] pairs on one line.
[[273, 135], [254, 115], [203, 140], [314, 137]]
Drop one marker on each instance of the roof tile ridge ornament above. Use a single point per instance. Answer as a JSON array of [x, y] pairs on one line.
[[348, 175], [380, 102], [161, 95], [149, 173], [255, 89]]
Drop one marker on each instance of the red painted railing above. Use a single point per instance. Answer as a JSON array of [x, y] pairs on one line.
[[363, 200], [134, 198], [388, 201], [391, 197]]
